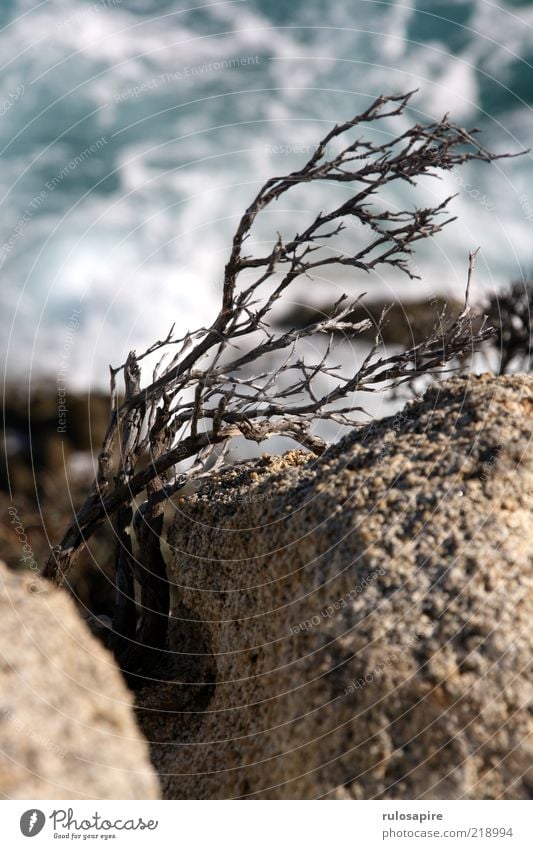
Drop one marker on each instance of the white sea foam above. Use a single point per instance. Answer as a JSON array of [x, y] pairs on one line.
[[141, 231]]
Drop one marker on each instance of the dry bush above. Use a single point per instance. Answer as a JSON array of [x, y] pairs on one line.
[[219, 384]]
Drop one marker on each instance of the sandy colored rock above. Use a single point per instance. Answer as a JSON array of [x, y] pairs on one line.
[[67, 729], [360, 625]]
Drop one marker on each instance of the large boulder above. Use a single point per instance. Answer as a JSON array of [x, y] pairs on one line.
[[359, 625], [67, 729]]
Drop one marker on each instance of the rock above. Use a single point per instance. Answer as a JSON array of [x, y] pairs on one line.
[[67, 728], [359, 625], [33, 448]]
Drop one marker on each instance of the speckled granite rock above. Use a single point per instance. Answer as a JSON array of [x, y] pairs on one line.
[[360, 626], [67, 729]]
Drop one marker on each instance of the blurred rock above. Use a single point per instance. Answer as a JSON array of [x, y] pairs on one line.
[[406, 324], [32, 443], [67, 729], [360, 625], [46, 474]]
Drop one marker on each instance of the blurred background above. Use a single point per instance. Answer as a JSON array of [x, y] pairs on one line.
[[134, 132]]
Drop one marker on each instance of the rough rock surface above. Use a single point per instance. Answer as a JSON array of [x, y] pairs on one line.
[[67, 729], [359, 625]]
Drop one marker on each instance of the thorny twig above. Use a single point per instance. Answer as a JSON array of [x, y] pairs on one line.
[[206, 395]]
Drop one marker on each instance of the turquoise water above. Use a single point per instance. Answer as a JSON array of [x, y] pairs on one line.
[[133, 133]]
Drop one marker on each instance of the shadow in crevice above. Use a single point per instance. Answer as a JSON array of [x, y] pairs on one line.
[[171, 702]]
